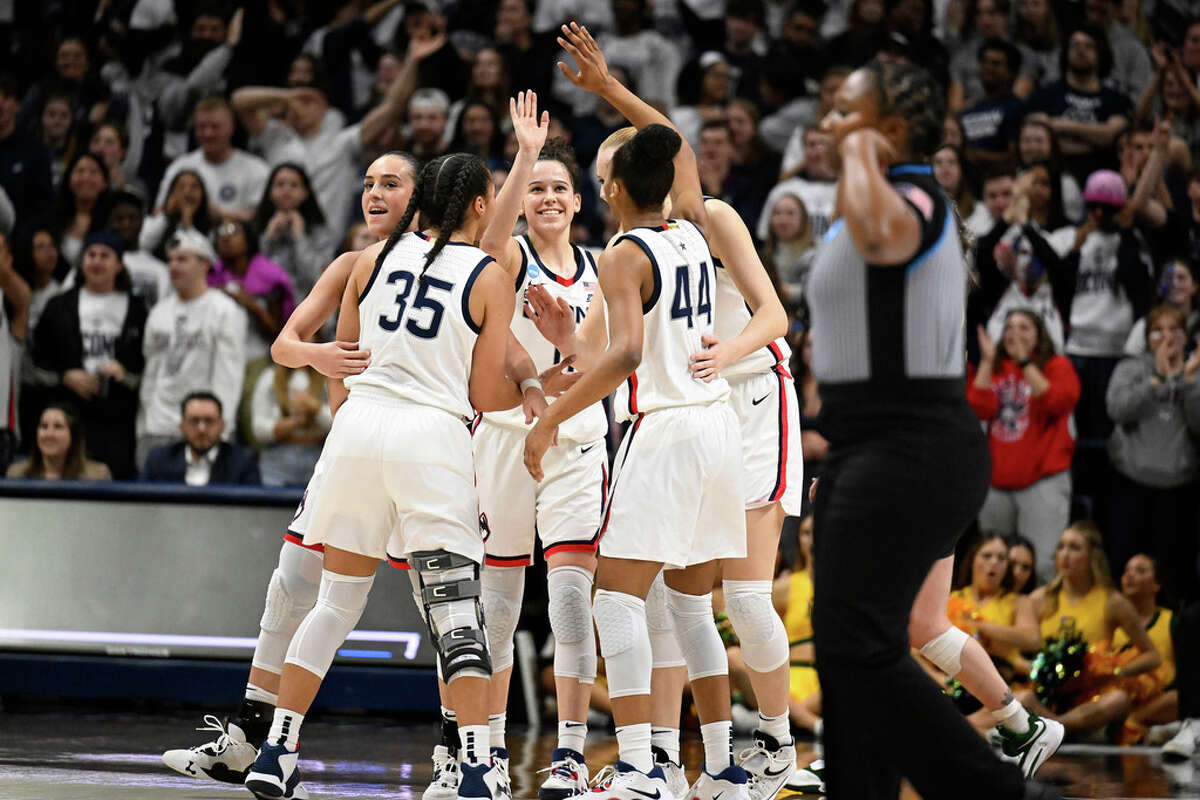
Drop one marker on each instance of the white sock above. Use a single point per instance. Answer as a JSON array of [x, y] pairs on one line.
[[261, 695], [476, 744], [718, 746], [285, 728], [571, 735], [633, 746], [777, 728], [496, 724], [1012, 716], [668, 740]]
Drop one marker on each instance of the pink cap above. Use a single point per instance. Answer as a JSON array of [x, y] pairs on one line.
[[1105, 187]]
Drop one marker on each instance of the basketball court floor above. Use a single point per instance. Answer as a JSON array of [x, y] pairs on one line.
[[105, 756]]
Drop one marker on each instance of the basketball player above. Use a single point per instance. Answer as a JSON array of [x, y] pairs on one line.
[[677, 486], [397, 475], [565, 507]]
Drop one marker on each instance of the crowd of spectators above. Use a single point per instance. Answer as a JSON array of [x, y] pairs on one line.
[[175, 174]]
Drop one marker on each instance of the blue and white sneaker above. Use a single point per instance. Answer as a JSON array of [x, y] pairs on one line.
[[568, 775], [484, 781], [500, 761], [621, 781], [731, 783], [274, 772]]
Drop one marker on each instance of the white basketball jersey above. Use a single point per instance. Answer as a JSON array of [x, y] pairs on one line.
[[733, 314], [577, 289], [676, 316], [419, 330]]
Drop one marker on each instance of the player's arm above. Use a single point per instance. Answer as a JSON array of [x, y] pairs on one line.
[[623, 271], [555, 320], [730, 242], [687, 196], [338, 359], [491, 306], [348, 324], [531, 131]]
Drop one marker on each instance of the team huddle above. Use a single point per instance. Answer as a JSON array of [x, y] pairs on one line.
[[470, 424]]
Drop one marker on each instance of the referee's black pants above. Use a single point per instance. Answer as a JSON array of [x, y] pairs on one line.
[[898, 488]]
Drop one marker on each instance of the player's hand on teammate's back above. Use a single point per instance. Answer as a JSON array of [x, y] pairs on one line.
[[552, 315], [340, 359], [593, 71], [708, 363]]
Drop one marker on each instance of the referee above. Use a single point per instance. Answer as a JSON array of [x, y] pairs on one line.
[[908, 467]]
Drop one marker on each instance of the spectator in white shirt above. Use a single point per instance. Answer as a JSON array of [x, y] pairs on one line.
[[194, 340], [815, 184], [234, 178]]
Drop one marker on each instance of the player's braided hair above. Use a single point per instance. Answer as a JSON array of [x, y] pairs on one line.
[[443, 193]]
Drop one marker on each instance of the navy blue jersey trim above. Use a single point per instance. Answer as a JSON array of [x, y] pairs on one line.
[[370, 281], [649, 304], [524, 268], [466, 295], [579, 265]]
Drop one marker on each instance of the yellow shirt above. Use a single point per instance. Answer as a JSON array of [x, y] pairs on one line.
[[798, 619], [1087, 616], [1159, 631], [965, 606]]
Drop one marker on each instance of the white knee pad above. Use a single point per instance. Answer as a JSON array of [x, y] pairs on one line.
[[696, 630], [503, 588], [624, 642], [757, 624], [340, 604], [945, 650], [664, 647], [570, 590], [291, 594]]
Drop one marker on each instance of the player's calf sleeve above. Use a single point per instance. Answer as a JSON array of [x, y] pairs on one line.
[[696, 630], [340, 604], [756, 623], [502, 589], [624, 642], [291, 594], [664, 647], [570, 591]]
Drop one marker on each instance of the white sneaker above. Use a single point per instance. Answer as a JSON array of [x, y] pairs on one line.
[[1159, 735], [1031, 749], [568, 775], [673, 772], [730, 784], [620, 781], [808, 780], [1183, 745], [768, 765], [225, 759], [444, 785], [500, 762], [484, 782]]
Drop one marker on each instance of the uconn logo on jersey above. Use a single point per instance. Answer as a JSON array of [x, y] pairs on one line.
[[425, 313]]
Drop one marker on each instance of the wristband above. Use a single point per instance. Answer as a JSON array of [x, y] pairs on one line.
[[1024, 363], [531, 383]]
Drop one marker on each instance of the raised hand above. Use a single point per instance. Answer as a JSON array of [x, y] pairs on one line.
[[531, 131], [593, 70], [553, 316], [987, 348], [423, 47]]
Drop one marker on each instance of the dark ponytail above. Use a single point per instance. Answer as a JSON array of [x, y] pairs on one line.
[[645, 164], [910, 92], [444, 190]]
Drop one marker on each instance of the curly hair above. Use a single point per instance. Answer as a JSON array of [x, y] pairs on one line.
[[910, 92]]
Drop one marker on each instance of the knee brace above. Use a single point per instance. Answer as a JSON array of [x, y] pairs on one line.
[[624, 642], [570, 590], [450, 595], [291, 594], [340, 604], [757, 624], [503, 588], [945, 650], [664, 647], [696, 630]]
